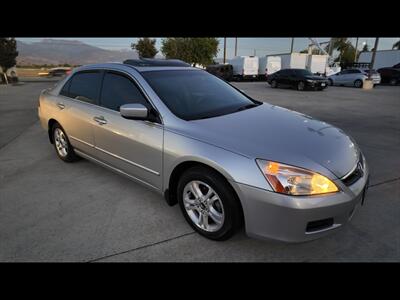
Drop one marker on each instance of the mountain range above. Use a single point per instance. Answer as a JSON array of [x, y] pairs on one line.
[[55, 52]]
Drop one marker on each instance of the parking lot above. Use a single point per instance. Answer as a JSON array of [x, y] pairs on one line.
[[53, 211]]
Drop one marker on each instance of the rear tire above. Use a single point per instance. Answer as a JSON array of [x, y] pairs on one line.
[[63, 147], [229, 210], [358, 83]]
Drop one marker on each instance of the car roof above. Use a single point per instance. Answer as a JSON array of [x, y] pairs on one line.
[[126, 67]]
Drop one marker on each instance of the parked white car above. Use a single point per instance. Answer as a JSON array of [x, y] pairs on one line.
[[353, 77]]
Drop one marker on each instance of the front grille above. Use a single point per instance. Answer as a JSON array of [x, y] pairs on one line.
[[356, 174], [319, 225]]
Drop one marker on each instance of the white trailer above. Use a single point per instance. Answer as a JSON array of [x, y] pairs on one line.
[[244, 66], [294, 61], [383, 58], [317, 63], [268, 65]]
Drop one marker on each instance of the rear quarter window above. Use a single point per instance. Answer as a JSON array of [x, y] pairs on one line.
[[65, 89]]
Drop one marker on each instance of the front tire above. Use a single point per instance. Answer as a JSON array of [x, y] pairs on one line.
[[274, 84], [63, 147], [393, 81], [209, 203], [301, 86], [358, 83], [330, 82]]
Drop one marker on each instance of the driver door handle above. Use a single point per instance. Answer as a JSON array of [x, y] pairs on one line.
[[61, 105], [100, 120]]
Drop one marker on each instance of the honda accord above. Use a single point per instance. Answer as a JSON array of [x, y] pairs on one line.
[[228, 160]]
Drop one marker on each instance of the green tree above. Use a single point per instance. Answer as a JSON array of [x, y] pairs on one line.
[[396, 46], [191, 50], [145, 47], [364, 49], [345, 48], [8, 54]]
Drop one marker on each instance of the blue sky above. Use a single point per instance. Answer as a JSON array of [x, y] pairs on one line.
[[246, 46]]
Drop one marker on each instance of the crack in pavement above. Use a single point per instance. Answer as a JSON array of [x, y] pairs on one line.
[[141, 247], [384, 182], [18, 135]]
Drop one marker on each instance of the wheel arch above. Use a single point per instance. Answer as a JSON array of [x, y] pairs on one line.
[[50, 125], [181, 167]]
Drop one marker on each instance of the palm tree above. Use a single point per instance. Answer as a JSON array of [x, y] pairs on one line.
[[396, 45]]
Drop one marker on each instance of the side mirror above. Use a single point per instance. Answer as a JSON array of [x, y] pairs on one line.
[[135, 111]]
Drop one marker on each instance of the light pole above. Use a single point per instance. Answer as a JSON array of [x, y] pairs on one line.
[[224, 50], [373, 57], [236, 46], [330, 49], [355, 55], [291, 45]]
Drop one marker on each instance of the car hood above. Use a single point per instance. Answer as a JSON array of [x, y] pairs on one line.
[[275, 133]]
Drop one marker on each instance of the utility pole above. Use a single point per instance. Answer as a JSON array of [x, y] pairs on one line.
[[355, 55], [330, 47], [236, 46], [373, 58], [291, 46], [224, 50], [255, 51]]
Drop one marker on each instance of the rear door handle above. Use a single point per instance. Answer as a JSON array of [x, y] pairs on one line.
[[100, 120], [61, 105]]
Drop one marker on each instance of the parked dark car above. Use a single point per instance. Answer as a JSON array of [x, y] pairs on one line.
[[300, 79], [224, 71], [390, 75]]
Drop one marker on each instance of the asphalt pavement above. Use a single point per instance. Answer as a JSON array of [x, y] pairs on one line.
[[53, 211]]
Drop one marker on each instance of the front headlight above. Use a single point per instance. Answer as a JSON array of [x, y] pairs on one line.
[[310, 80], [292, 180]]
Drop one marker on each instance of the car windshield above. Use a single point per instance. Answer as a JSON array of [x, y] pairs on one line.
[[196, 94], [303, 72]]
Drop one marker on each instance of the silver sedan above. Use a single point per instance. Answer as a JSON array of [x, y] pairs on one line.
[[353, 77], [227, 159]]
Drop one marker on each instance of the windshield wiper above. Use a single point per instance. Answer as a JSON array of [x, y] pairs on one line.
[[222, 113], [246, 107]]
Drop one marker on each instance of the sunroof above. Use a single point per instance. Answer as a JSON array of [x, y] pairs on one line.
[[148, 62]]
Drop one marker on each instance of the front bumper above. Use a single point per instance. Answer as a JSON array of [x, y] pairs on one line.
[[270, 215], [317, 84]]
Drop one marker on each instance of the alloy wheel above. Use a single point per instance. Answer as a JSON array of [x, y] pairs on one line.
[[61, 143], [203, 206], [358, 83]]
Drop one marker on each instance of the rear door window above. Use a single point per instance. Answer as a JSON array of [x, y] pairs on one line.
[[85, 86], [119, 90]]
